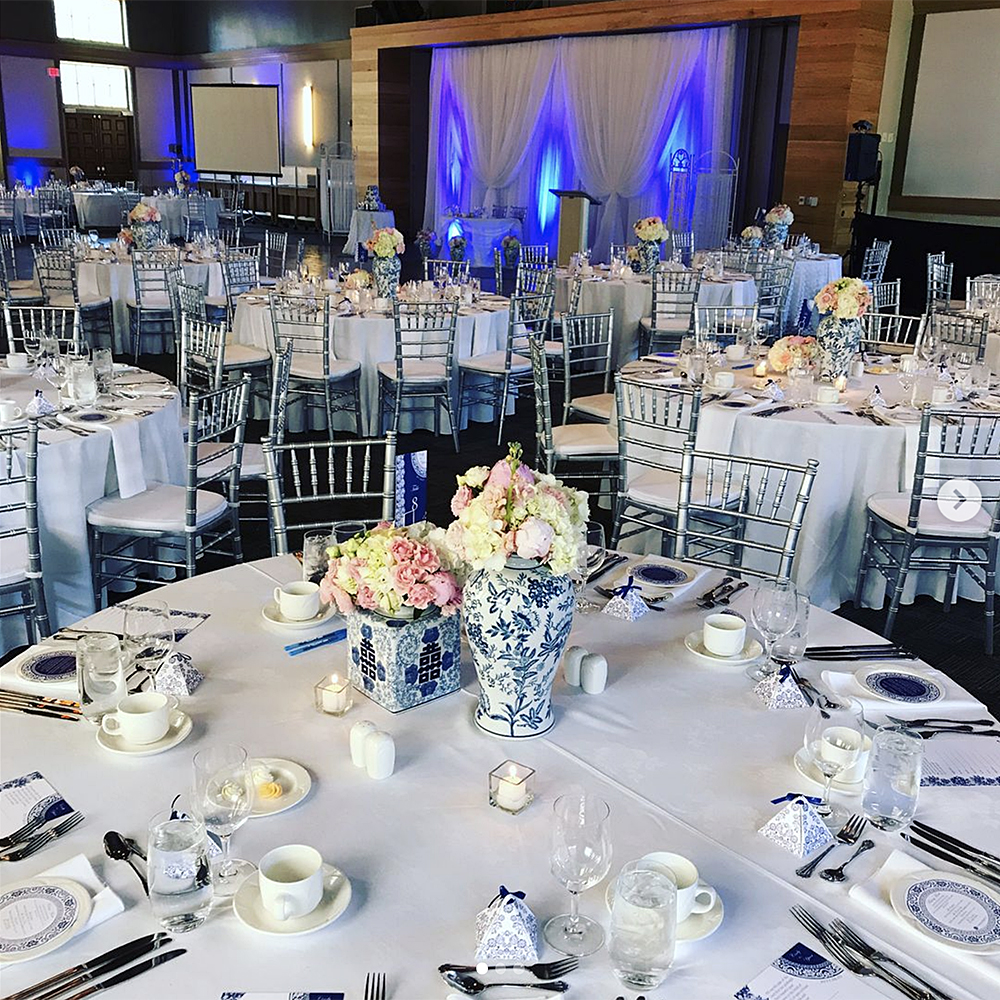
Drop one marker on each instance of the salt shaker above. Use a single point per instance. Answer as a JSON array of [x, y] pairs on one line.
[[380, 754], [359, 733], [593, 673], [571, 664]]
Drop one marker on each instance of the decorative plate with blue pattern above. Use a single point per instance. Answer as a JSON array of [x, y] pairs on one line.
[[39, 915], [959, 911], [900, 686], [660, 575], [49, 668]]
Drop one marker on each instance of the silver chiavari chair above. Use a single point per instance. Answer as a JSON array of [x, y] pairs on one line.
[[674, 296], [57, 237], [26, 326], [305, 479], [534, 253], [274, 250], [939, 279], [7, 209], [725, 324], [202, 355], [519, 212], [742, 515], [772, 294], [561, 450], [436, 268], [682, 245], [757, 260], [886, 295], [58, 279], [187, 522], [127, 200], [906, 532], [497, 271], [240, 274], [534, 278], [151, 311], [959, 331], [655, 421], [423, 373], [499, 212], [891, 333], [195, 215], [319, 380], [982, 293], [19, 536], [586, 347], [17, 291], [874, 260]]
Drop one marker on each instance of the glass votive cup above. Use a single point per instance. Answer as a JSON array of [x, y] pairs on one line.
[[334, 695], [512, 786]]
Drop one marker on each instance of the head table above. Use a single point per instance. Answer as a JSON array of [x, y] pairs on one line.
[[685, 755]]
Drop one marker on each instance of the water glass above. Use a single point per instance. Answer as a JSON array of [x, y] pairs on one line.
[[892, 779], [800, 385], [315, 561], [774, 610], [791, 647], [148, 633], [104, 371], [82, 382], [100, 675], [178, 871], [643, 928], [344, 530]]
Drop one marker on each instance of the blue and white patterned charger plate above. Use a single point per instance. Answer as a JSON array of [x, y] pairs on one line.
[[39, 915], [87, 418], [899, 685], [660, 574], [49, 668], [956, 910]]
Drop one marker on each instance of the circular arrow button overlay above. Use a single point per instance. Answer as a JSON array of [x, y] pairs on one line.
[[959, 500]]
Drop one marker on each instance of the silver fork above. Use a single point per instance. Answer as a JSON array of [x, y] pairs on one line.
[[23, 833], [852, 940], [848, 834], [375, 986], [540, 970], [43, 839]]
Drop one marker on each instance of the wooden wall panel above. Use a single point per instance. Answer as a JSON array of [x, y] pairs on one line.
[[838, 78]]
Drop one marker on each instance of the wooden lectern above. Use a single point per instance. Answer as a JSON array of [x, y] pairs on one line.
[[574, 218]]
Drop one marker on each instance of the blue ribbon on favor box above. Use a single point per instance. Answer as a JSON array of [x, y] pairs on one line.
[[627, 587], [505, 894], [791, 796]]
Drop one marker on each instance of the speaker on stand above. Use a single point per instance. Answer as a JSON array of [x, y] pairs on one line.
[[863, 165]]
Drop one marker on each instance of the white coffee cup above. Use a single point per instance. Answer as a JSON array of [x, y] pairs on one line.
[[142, 718], [17, 362], [9, 411], [291, 881], [724, 634], [736, 352], [298, 601], [908, 363], [724, 380], [693, 895]]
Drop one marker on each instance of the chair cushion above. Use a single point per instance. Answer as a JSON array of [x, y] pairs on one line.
[[493, 364], [661, 488], [251, 466], [17, 283], [584, 439], [415, 371], [94, 302], [668, 324], [24, 295], [159, 508], [310, 366], [895, 508], [244, 354], [551, 346], [151, 303], [219, 301], [599, 405], [13, 559]]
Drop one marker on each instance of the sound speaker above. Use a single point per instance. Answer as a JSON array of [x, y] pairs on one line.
[[862, 156]]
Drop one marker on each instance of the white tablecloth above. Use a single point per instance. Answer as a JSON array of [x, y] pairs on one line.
[[372, 340], [173, 207], [98, 209], [75, 471], [24, 204], [685, 756], [483, 236], [363, 223], [809, 275], [632, 299]]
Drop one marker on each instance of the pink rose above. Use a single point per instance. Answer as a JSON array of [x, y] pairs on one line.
[[425, 558], [330, 593], [534, 539], [404, 576], [402, 549], [500, 475], [366, 598], [445, 588], [421, 596], [461, 500]]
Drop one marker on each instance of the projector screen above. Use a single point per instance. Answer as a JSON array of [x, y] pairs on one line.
[[236, 128]]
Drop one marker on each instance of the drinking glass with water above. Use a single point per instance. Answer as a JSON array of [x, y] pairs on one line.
[[100, 675], [892, 778], [179, 872], [643, 925]]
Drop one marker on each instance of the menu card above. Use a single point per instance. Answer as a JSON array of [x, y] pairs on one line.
[[961, 760], [802, 974], [24, 798]]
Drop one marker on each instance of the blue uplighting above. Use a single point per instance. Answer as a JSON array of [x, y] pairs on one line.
[[29, 172]]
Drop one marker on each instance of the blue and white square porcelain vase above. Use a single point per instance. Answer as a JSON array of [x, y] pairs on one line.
[[401, 663]]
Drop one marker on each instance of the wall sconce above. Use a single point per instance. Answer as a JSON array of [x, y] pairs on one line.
[[307, 115]]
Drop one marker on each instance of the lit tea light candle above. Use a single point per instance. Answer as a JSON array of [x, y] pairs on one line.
[[511, 786], [761, 370], [334, 695], [840, 383]]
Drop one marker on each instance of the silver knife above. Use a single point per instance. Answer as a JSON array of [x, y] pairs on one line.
[[130, 954], [124, 977], [939, 852], [606, 566], [931, 833]]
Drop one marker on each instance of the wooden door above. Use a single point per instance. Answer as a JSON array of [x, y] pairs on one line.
[[102, 144]]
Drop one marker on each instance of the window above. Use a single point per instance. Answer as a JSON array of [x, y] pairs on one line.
[[91, 20], [94, 85]]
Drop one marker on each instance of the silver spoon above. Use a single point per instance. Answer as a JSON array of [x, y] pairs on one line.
[[837, 874], [117, 848], [471, 986]]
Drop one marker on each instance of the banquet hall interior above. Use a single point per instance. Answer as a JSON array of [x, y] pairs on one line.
[[627, 370]]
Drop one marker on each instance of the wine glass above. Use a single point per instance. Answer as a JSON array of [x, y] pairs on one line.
[[834, 739], [580, 858], [223, 794], [148, 634], [773, 612], [594, 549]]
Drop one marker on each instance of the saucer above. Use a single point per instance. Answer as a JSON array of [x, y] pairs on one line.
[[179, 731], [250, 910], [295, 784], [271, 613], [751, 651], [810, 772]]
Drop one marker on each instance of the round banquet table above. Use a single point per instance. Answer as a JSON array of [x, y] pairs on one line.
[[685, 755], [809, 274], [74, 471], [172, 208], [98, 209], [856, 459], [631, 299], [483, 235], [371, 340]]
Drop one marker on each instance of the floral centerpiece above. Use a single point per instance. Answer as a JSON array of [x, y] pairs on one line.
[[399, 590], [182, 179], [510, 246], [776, 224], [651, 232], [426, 241], [752, 236], [456, 247], [357, 280], [792, 352], [843, 302], [125, 236], [632, 256], [386, 246], [145, 225], [521, 532]]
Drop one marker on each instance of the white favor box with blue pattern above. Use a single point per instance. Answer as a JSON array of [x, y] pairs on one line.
[[778, 692], [402, 663], [178, 676], [798, 829], [507, 931]]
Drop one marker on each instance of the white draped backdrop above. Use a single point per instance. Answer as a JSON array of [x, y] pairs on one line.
[[509, 122]]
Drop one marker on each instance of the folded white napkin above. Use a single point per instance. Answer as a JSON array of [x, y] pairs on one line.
[[846, 684], [652, 590], [105, 902], [11, 679], [874, 893]]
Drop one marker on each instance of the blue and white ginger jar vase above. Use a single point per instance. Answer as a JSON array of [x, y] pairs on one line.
[[649, 256], [385, 271], [775, 234], [839, 340]]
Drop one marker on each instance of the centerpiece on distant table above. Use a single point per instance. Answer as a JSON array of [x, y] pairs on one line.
[[650, 232], [456, 248], [144, 223], [792, 352], [843, 302], [776, 224], [521, 532], [510, 246], [386, 246], [426, 241], [752, 236], [357, 279], [182, 179], [400, 594]]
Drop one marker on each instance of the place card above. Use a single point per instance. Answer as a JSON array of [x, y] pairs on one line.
[[802, 974], [958, 760], [23, 799]]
